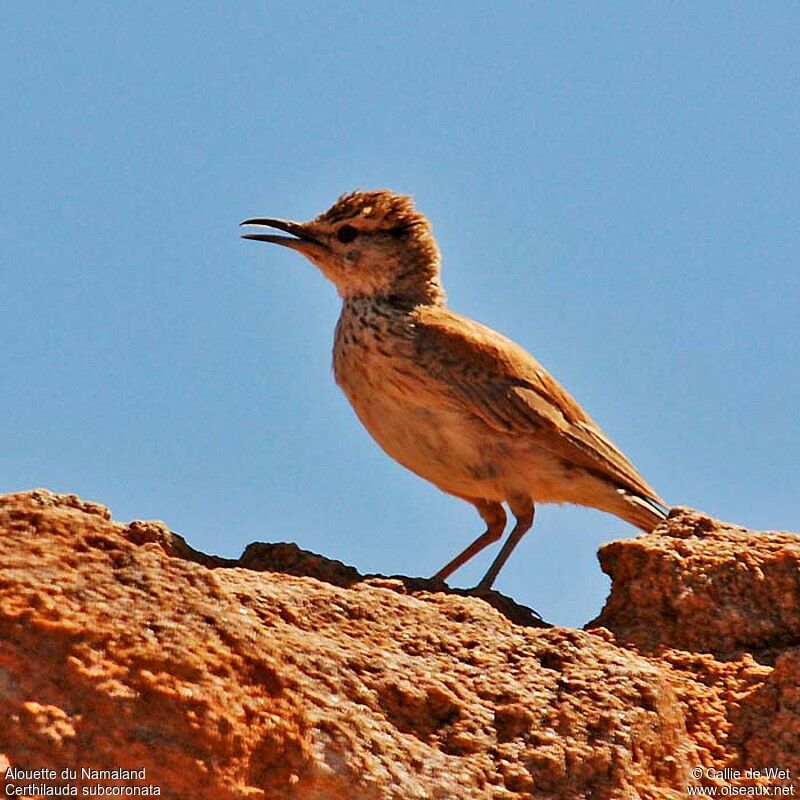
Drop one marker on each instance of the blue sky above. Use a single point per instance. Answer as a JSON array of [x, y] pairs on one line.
[[615, 186]]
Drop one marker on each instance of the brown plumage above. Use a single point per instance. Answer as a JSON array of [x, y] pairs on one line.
[[450, 399]]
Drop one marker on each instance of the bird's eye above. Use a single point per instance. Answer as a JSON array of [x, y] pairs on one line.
[[346, 234]]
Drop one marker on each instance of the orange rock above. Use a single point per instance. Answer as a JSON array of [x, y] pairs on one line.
[[121, 648], [703, 585]]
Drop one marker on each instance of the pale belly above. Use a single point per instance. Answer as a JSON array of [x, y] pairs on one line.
[[438, 445], [458, 453]]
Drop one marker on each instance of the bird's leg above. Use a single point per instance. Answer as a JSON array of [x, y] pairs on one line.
[[495, 518], [522, 508]]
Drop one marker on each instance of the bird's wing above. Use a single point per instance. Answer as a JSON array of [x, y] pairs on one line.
[[488, 375]]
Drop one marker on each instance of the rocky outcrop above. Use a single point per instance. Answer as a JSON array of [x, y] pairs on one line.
[[704, 586], [719, 607], [286, 675]]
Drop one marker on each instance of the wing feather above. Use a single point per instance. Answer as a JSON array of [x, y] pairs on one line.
[[492, 377]]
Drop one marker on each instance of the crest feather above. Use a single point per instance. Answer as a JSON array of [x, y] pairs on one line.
[[380, 204]]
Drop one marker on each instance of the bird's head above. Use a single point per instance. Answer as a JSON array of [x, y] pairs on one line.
[[368, 244]]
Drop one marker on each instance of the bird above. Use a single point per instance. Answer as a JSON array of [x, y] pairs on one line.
[[450, 399]]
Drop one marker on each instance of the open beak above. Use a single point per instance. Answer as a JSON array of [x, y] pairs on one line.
[[300, 240]]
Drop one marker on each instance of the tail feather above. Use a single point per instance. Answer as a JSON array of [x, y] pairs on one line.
[[642, 512]]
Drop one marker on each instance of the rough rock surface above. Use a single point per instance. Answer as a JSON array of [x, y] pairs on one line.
[[285, 675]]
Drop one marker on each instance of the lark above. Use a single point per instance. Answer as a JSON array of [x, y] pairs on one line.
[[452, 400]]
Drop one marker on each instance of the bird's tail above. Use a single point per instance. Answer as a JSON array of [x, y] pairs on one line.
[[640, 511]]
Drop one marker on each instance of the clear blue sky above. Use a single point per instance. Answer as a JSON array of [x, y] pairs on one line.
[[614, 185]]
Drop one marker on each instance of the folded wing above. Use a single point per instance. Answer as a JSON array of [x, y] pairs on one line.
[[488, 375]]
